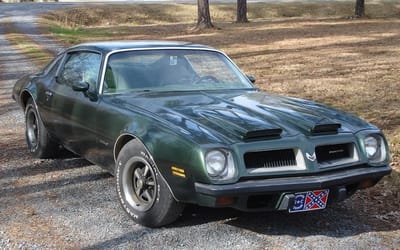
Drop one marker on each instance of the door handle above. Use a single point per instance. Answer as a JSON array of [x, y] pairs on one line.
[[48, 93]]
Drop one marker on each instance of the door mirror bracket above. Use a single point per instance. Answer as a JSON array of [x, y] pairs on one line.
[[80, 86]]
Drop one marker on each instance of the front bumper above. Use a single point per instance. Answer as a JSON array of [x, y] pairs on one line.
[[342, 184]]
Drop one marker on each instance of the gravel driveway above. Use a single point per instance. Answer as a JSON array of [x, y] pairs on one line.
[[69, 203]]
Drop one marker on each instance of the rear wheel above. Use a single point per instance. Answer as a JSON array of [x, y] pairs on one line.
[[39, 142], [142, 191]]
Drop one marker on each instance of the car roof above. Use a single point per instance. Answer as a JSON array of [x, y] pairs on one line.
[[109, 46]]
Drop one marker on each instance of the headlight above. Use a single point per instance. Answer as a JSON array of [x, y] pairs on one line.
[[215, 163], [375, 148], [371, 146], [219, 164]]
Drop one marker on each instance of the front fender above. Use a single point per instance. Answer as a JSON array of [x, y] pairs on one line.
[[179, 160]]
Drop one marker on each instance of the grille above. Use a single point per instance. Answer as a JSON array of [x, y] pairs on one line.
[[329, 153], [270, 159]]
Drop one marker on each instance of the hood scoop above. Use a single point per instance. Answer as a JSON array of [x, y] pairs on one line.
[[324, 129], [262, 134], [245, 126]]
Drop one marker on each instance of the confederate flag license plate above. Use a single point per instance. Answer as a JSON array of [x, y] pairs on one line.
[[310, 200]]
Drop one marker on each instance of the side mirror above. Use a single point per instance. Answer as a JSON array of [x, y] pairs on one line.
[[80, 86], [252, 79]]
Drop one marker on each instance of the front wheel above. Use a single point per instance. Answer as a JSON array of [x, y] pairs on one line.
[[142, 191]]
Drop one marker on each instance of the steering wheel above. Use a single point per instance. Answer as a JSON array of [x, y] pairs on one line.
[[206, 79]]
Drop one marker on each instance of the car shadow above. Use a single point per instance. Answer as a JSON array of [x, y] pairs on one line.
[[351, 217], [339, 220]]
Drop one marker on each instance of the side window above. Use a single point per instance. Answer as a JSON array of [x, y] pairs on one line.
[[53, 69], [81, 67]]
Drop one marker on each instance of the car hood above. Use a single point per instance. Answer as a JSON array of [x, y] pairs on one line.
[[241, 115]]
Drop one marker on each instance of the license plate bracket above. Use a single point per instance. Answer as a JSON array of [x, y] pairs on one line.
[[309, 201]]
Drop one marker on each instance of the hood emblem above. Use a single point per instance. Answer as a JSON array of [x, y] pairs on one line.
[[311, 157]]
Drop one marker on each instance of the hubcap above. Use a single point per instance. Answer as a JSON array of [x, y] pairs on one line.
[[139, 184], [32, 129]]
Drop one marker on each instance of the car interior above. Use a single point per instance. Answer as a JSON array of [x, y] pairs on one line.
[[168, 70]]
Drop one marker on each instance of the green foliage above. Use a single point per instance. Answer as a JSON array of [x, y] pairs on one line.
[[77, 35]]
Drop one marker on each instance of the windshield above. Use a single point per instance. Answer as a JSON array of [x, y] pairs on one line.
[[171, 70]]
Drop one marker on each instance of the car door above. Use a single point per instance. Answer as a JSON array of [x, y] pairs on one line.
[[44, 92], [75, 112]]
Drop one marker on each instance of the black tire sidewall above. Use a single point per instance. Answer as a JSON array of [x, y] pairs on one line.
[[41, 137], [157, 215]]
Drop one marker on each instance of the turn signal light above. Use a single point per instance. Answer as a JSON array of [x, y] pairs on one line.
[[178, 171], [225, 201], [367, 183]]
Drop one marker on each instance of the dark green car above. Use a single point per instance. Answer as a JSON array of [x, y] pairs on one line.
[[179, 123]]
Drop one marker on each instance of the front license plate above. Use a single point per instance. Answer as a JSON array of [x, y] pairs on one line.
[[311, 200]]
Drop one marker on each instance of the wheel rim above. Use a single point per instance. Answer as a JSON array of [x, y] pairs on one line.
[[32, 129], [139, 184]]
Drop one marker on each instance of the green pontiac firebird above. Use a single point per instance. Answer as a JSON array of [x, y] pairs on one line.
[[179, 123]]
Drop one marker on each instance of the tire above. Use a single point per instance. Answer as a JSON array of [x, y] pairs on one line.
[[142, 191], [40, 144]]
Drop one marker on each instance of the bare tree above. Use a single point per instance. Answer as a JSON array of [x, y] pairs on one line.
[[360, 8], [241, 11], [203, 15]]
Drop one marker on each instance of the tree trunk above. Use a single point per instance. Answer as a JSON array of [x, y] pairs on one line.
[[203, 15], [241, 11], [360, 8]]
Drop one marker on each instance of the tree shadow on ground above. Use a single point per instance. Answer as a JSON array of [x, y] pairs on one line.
[[130, 237], [44, 166], [49, 185]]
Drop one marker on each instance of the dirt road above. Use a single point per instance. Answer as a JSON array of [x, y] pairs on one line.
[[69, 203]]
